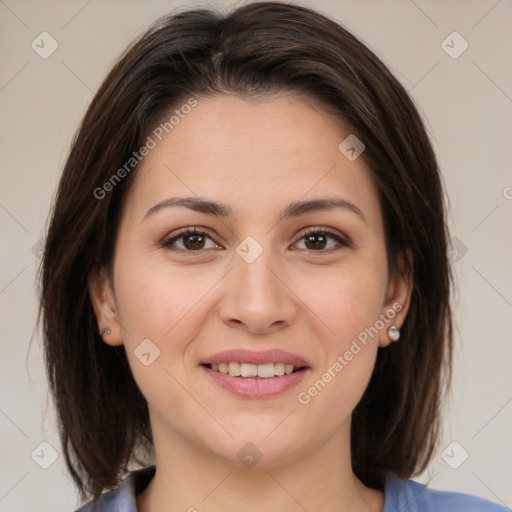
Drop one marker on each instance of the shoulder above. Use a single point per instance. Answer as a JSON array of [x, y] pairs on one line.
[[410, 496], [122, 499]]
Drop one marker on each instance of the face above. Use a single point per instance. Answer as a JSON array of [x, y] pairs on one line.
[[275, 282]]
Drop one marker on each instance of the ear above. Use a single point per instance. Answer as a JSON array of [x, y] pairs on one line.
[[104, 305], [398, 296]]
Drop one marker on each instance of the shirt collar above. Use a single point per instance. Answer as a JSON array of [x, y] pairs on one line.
[[138, 480], [132, 485]]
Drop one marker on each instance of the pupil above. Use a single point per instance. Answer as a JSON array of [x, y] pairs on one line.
[[195, 239], [310, 238]]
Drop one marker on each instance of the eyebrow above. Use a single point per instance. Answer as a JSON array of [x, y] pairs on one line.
[[294, 209]]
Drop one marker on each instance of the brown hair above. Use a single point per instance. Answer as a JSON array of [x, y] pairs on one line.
[[259, 48]]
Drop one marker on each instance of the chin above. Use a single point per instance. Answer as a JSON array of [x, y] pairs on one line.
[[258, 450]]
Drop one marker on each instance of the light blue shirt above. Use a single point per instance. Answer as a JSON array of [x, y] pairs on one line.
[[399, 496]]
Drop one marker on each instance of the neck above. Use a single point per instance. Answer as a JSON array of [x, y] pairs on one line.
[[192, 479]]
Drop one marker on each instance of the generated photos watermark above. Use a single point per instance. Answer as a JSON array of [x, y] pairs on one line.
[[151, 142], [344, 359]]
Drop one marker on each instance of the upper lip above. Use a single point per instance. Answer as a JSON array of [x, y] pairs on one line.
[[253, 357]]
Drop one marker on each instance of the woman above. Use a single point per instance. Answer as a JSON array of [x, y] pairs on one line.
[[246, 276]]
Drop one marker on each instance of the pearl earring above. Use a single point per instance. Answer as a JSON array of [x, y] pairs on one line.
[[393, 332], [105, 331]]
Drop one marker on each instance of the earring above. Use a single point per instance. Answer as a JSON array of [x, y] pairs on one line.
[[393, 333], [105, 331]]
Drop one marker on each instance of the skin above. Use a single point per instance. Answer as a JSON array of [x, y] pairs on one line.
[[311, 299]]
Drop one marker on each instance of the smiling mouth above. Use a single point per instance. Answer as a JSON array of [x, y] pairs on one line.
[[255, 371]]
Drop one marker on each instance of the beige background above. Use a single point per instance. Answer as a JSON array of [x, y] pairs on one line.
[[467, 103]]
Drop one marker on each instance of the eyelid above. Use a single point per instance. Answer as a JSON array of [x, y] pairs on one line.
[[323, 229], [187, 231], [342, 240]]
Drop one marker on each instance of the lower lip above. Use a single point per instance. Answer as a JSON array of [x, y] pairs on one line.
[[256, 388]]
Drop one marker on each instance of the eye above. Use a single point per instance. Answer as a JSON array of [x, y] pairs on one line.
[[317, 239], [192, 240], [195, 240]]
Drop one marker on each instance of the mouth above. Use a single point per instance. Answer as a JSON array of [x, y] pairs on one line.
[[255, 374], [254, 371], [254, 386]]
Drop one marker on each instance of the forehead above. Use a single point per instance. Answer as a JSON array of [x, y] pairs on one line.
[[253, 153]]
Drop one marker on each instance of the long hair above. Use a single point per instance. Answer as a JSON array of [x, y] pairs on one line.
[[258, 49]]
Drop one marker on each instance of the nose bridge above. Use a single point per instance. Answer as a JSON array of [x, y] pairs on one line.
[[257, 296], [258, 269]]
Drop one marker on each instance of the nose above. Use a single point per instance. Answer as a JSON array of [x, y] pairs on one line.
[[257, 298]]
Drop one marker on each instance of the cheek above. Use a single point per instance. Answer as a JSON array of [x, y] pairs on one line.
[[169, 306], [349, 311], [334, 392], [155, 298], [159, 304], [348, 305], [347, 299]]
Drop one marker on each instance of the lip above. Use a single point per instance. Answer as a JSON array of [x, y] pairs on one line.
[[256, 357], [253, 387]]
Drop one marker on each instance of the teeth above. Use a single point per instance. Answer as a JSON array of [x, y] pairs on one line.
[[279, 368], [245, 370], [234, 369], [263, 371]]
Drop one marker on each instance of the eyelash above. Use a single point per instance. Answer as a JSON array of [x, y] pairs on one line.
[[167, 243]]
